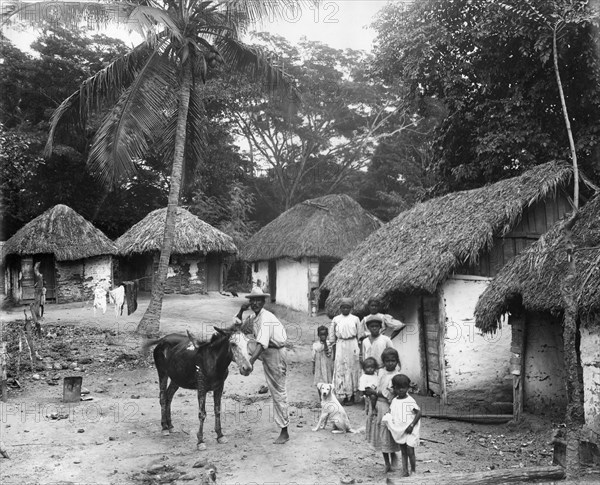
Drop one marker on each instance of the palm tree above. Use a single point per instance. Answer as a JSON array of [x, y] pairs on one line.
[[155, 92]]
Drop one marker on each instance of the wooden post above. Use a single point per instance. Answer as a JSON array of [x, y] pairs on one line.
[[3, 366], [441, 345], [422, 329], [517, 364]]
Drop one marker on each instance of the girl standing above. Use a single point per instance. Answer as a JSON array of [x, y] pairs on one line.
[[404, 422], [346, 366], [367, 386], [379, 435], [322, 358]]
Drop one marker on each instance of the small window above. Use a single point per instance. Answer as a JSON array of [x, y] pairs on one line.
[[256, 266]]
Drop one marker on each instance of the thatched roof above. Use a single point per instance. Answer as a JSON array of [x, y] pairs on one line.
[[420, 248], [533, 279], [325, 227], [60, 231], [192, 235]]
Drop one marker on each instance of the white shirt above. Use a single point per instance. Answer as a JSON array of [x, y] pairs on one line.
[[267, 329]]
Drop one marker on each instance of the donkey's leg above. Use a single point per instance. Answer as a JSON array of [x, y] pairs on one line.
[[201, 446], [171, 390], [163, 379], [218, 392]]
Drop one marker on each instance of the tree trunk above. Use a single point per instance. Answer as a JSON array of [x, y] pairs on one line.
[[563, 103], [575, 413], [150, 323]]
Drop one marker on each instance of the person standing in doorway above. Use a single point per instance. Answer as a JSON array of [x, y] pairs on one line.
[[270, 349]]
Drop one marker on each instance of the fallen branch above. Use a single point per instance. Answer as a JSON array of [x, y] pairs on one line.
[[516, 475], [470, 418], [432, 441]]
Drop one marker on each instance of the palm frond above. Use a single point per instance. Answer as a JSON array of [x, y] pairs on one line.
[[244, 13], [128, 129], [250, 60], [101, 89]]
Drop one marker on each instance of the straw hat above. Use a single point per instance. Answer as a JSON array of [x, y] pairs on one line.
[[257, 293]]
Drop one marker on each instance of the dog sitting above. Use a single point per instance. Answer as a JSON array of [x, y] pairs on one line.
[[332, 410]]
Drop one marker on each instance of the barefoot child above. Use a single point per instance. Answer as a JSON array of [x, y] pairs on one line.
[[404, 422], [346, 365], [367, 387], [379, 436], [322, 358]]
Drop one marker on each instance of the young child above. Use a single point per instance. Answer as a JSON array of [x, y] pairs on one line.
[[368, 380], [404, 422], [378, 435], [387, 321], [346, 365], [322, 358], [375, 343]]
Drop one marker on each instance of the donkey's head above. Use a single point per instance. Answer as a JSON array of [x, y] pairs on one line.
[[238, 343]]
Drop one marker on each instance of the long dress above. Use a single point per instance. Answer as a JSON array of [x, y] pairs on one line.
[[379, 435], [346, 367], [323, 364]]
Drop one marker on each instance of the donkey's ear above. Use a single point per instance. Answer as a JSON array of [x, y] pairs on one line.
[[220, 330], [192, 339]]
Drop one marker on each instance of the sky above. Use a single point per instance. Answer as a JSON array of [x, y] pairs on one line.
[[339, 23]]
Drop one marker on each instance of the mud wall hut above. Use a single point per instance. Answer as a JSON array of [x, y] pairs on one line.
[[430, 264], [527, 292], [293, 253], [74, 257], [198, 257]]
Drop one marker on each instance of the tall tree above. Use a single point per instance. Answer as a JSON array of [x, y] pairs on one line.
[[504, 111], [156, 92], [548, 25], [318, 144]]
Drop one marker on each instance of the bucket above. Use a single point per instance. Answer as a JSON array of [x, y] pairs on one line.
[[72, 389]]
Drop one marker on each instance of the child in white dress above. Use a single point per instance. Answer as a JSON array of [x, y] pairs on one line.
[[322, 358], [404, 422]]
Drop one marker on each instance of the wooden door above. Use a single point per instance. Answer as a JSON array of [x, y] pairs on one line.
[[213, 272], [273, 279], [433, 332]]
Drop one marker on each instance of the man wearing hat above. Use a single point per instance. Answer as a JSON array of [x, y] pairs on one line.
[[270, 337]]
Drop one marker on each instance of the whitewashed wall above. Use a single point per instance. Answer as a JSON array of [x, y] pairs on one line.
[[477, 366], [590, 360], [292, 284]]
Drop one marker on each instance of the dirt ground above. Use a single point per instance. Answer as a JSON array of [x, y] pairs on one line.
[[114, 437]]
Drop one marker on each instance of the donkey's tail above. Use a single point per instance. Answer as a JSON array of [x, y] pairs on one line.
[[149, 343]]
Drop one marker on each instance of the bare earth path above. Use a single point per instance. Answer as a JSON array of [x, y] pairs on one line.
[[114, 438]]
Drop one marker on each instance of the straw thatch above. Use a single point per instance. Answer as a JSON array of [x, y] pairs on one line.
[[192, 235], [60, 231], [419, 249], [533, 279], [325, 227]]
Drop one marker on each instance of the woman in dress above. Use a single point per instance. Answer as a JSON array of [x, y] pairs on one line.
[[346, 368]]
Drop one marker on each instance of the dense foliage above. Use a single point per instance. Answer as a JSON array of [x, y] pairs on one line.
[[490, 64]]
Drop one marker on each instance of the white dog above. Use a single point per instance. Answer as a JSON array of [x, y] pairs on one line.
[[332, 410]]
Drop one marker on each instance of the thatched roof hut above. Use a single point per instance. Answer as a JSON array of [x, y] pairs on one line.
[[325, 227], [533, 279], [62, 232], [420, 248], [192, 235]]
